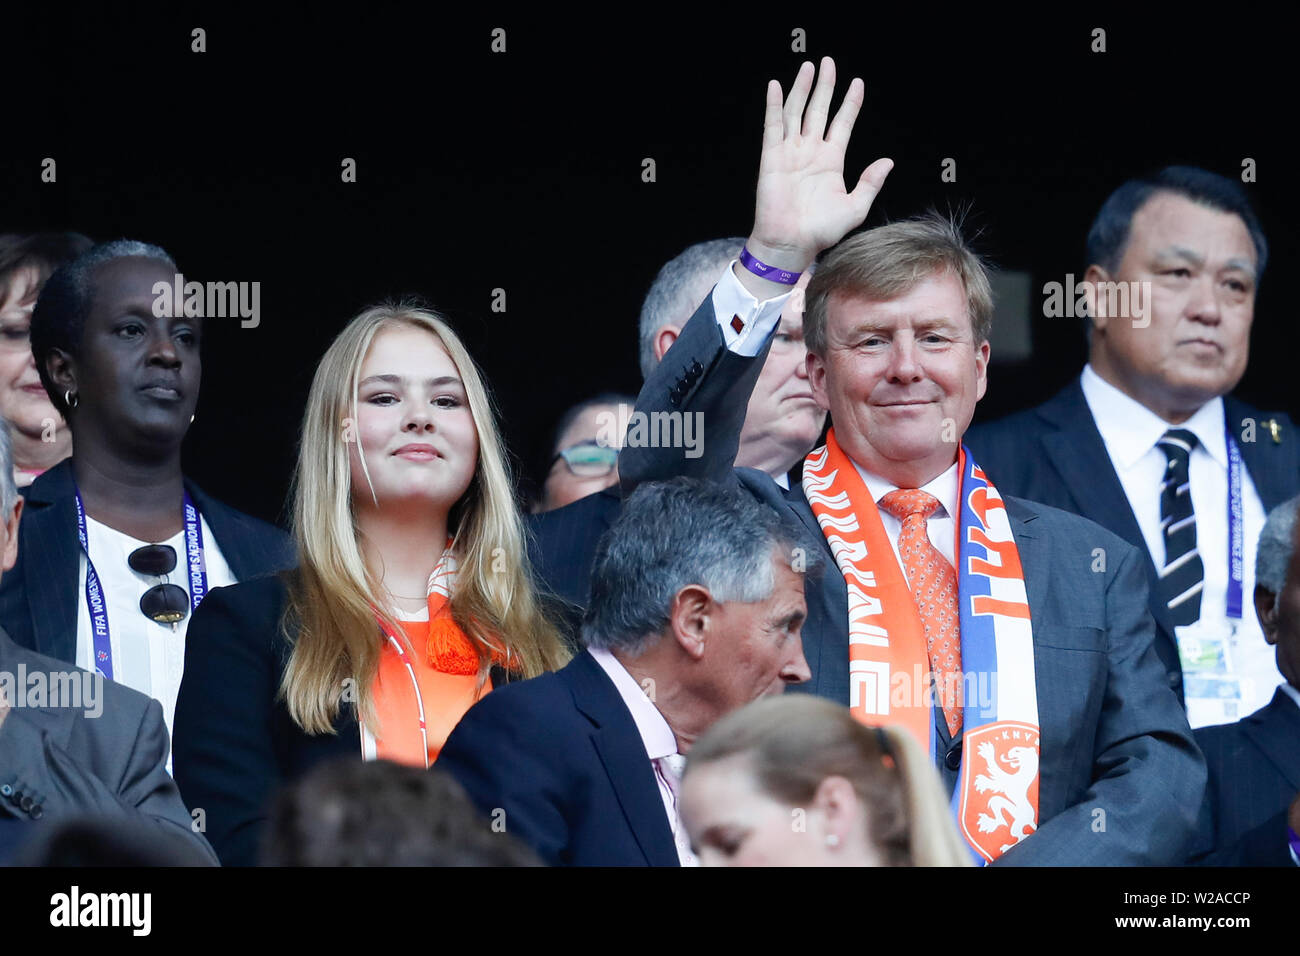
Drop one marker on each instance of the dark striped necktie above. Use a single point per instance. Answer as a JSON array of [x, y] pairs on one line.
[[1183, 574]]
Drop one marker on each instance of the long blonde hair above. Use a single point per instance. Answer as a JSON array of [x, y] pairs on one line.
[[795, 741], [330, 616]]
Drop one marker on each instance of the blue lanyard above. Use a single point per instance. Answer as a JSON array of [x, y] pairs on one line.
[[1236, 548], [95, 602]]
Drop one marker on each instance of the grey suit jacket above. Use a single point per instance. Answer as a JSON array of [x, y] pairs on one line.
[[1121, 779], [106, 757]]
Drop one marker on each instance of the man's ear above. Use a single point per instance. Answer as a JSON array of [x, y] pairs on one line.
[[689, 618], [1266, 611], [664, 338], [815, 366], [1094, 275]]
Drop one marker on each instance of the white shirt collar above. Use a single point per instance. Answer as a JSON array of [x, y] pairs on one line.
[[1292, 693], [1130, 429], [656, 735], [944, 488]]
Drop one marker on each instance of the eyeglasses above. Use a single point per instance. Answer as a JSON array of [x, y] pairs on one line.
[[588, 459], [162, 603]]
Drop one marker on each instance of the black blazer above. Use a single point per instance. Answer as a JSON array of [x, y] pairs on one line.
[[235, 744], [38, 598], [1113, 734], [1254, 775], [561, 756], [562, 543], [1054, 454]]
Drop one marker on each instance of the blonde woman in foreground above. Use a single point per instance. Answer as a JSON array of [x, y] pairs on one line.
[[412, 598], [797, 781]]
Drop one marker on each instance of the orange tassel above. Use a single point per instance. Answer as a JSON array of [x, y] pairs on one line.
[[450, 651]]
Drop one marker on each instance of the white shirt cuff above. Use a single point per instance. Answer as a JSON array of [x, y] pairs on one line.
[[746, 323]]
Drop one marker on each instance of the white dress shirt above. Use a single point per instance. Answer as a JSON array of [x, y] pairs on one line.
[[1130, 431], [147, 656], [660, 745]]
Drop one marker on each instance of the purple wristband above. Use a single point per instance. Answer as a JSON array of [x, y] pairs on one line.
[[1293, 839], [764, 271]]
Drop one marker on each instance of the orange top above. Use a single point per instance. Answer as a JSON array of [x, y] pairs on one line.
[[446, 697]]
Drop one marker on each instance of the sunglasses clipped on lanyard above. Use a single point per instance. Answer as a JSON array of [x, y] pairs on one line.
[[164, 603]]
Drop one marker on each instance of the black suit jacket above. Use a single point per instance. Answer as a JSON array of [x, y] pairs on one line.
[[1114, 736], [1054, 454], [561, 755], [102, 758], [235, 744], [1254, 769], [38, 598], [562, 543]]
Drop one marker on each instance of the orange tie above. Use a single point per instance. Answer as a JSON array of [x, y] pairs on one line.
[[934, 588]]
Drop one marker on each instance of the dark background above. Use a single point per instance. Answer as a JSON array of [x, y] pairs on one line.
[[522, 171]]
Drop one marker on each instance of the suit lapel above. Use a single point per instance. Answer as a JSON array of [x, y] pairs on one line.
[[51, 562], [828, 613], [1272, 466], [618, 743], [226, 528], [1079, 455], [1275, 732], [55, 723]]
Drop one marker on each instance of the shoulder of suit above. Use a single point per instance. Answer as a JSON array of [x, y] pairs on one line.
[[120, 703], [760, 483], [259, 600], [584, 510], [1063, 526]]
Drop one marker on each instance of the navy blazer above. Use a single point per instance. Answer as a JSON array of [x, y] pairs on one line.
[[1055, 454], [1114, 736], [1254, 769], [562, 543], [39, 599], [235, 744], [561, 756]]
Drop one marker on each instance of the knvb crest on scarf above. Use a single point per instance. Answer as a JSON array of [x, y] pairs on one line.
[[996, 802]]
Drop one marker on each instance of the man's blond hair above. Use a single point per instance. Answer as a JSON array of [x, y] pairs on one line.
[[889, 261]]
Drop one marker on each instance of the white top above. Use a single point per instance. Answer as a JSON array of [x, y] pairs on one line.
[[660, 745], [1130, 431], [147, 656]]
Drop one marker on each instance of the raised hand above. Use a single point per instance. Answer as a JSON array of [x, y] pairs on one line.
[[803, 205]]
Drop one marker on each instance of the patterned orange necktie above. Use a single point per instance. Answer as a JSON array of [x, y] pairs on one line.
[[934, 588]]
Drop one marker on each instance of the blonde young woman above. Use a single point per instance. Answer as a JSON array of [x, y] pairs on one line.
[[796, 780], [411, 601]]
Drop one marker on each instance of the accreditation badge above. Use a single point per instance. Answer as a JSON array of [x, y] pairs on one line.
[[1213, 691]]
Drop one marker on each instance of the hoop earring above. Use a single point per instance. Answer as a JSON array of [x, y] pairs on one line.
[[71, 399]]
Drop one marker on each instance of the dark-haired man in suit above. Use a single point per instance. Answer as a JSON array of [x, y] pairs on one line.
[[1148, 442]]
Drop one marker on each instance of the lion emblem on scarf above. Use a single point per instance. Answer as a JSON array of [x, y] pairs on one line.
[[1010, 806]]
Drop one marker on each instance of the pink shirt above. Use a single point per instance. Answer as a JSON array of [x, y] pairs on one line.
[[659, 741]]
